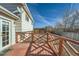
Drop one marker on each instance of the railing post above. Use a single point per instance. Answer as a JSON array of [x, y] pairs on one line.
[[17, 37], [32, 36], [47, 36], [61, 42]]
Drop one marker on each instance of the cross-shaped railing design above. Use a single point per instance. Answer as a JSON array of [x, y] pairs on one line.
[[43, 44]]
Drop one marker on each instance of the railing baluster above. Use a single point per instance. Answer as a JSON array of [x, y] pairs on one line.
[[72, 48], [17, 33], [47, 37], [61, 42], [67, 50]]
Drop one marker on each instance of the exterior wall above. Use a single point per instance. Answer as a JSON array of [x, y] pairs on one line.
[[26, 25], [0, 36], [18, 26], [12, 32]]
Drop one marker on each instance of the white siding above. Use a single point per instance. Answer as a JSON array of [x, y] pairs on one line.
[[26, 25], [0, 35], [23, 25], [18, 26]]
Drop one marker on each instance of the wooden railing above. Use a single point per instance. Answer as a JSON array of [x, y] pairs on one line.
[[67, 44], [22, 36], [58, 44]]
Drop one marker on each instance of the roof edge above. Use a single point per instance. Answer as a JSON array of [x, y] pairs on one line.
[[27, 11], [7, 12]]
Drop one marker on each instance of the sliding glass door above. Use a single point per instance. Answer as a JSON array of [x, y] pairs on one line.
[[5, 33]]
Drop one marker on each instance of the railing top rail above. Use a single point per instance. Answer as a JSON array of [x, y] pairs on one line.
[[67, 39], [58, 37], [70, 40]]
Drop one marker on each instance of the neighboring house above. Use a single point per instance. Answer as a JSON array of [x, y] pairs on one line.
[[13, 18]]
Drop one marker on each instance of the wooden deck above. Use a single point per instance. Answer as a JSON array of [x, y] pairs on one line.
[[18, 49], [43, 44]]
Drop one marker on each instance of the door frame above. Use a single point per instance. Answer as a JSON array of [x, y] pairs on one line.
[[10, 35]]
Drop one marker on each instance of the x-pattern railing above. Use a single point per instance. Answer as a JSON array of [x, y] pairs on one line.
[[49, 44], [40, 42]]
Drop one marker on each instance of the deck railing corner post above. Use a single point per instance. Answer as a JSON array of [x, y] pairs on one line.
[[32, 35], [61, 42], [47, 36]]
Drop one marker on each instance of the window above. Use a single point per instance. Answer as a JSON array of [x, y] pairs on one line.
[[5, 33], [27, 18]]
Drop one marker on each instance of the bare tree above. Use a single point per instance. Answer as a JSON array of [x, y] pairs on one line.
[[70, 20], [65, 18]]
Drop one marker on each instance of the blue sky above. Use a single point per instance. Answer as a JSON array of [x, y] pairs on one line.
[[49, 14]]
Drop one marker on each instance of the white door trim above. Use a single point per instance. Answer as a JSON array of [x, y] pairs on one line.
[[1, 20]]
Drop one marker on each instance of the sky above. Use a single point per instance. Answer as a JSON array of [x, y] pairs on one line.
[[49, 14]]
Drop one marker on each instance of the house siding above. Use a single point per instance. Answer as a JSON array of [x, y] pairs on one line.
[[18, 26], [0, 35], [26, 25], [23, 25]]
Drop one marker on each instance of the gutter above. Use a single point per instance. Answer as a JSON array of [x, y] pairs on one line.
[[8, 13]]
